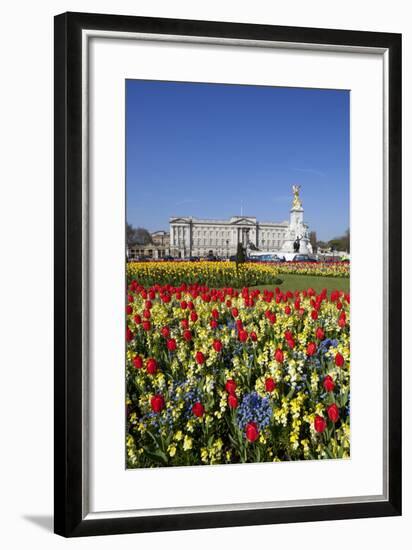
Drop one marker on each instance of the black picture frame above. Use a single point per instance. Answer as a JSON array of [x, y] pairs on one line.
[[69, 519]]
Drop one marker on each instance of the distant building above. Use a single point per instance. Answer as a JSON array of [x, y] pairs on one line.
[[157, 249], [197, 237], [161, 238]]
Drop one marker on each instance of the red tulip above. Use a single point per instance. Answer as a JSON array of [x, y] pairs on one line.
[[165, 332], [314, 314], [333, 412], [157, 402], [138, 362], [320, 424], [270, 384], [232, 401], [137, 319], [200, 358], [171, 344], [339, 360], [129, 310], [217, 345], [279, 355], [253, 336], [198, 409], [193, 317], [328, 383], [320, 333], [187, 335], [243, 335], [291, 343], [129, 335], [287, 310], [311, 349], [146, 325], [252, 432], [151, 365], [235, 312], [230, 386]]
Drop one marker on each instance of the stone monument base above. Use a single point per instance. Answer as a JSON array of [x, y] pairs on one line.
[[304, 248]]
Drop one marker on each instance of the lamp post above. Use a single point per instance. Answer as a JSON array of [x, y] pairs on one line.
[[227, 248]]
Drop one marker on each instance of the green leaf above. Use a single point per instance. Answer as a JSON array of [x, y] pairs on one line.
[[290, 394], [156, 456]]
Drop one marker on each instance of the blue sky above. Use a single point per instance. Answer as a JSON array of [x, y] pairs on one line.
[[203, 150]]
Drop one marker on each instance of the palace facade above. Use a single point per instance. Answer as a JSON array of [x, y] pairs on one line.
[[198, 237]]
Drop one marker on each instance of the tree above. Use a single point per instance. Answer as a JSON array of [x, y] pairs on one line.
[[137, 235], [240, 254], [335, 244], [143, 236], [240, 259], [129, 234], [313, 240], [341, 243], [346, 240]]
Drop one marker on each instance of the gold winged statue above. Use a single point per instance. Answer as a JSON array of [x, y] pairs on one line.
[[296, 199]]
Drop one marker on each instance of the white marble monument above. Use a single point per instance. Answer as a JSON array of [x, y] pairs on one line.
[[297, 235]]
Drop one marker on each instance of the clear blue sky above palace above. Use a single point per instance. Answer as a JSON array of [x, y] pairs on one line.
[[214, 150]]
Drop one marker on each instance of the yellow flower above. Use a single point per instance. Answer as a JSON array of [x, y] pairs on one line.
[[171, 450]]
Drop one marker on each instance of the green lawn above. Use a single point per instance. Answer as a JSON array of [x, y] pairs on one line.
[[303, 282]]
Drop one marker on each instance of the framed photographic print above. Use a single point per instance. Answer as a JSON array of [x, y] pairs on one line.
[[227, 274]]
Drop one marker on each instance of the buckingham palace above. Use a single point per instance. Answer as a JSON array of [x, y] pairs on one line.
[[191, 236], [197, 237]]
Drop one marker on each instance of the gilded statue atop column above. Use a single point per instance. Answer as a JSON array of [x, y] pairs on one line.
[[296, 199]]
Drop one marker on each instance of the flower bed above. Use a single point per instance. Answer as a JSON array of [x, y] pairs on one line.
[[220, 274], [319, 269], [216, 274], [219, 376]]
